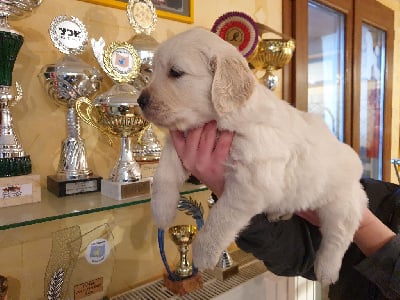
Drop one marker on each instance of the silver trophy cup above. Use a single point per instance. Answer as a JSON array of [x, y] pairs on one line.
[[65, 81]]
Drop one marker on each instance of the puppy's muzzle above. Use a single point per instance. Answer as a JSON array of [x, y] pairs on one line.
[[143, 99]]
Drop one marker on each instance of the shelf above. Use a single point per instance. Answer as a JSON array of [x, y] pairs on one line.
[[53, 208]]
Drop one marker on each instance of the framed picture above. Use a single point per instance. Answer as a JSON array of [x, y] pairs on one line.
[[177, 10]]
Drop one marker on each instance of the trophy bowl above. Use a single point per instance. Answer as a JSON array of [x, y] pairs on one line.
[[69, 79], [182, 236], [116, 112], [272, 54]]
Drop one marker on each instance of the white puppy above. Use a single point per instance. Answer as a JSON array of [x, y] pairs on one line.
[[282, 160]]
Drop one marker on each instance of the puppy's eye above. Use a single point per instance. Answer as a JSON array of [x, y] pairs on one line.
[[175, 73]]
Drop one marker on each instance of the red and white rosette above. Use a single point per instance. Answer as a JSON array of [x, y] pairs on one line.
[[238, 29]]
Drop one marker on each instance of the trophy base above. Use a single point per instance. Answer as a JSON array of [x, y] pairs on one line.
[[148, 168], [183, 286], [15, 166], [225, 273], [123, 190], [20, 190], [62, 187]]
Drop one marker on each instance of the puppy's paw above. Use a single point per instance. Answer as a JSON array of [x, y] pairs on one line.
[[205, 252], [275, 217], [326, 269]]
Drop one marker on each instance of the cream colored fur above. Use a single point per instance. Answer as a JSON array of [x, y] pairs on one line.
[[282, 160]]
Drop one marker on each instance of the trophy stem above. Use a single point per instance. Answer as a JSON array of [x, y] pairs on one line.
[[126, 169], [73, 163], [184, 268], [9, 143]]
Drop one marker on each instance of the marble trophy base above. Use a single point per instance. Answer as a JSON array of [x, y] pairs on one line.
[[227, 272], [183, 286], [123, 190], [18, 190], [148, 168], [62, 187]]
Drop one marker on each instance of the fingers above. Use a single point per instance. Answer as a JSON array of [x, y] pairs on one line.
[[178, 139], [208, 138], [223, 144]]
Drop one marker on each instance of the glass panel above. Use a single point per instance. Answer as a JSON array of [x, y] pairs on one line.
[[53, 208], [326, 65], [371, 99]]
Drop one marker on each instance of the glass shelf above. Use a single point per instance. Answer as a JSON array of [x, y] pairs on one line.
[[53, 208]]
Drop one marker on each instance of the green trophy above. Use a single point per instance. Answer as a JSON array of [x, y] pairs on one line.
[[13, 159]]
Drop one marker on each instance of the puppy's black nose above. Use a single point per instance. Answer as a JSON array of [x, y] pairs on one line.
[[143, 99]]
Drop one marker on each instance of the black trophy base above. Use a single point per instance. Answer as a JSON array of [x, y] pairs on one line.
[[62, 187]]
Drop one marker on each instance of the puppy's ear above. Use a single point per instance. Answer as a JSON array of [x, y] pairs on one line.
[[232, 85]]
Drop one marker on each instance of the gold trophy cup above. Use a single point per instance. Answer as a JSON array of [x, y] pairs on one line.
[[182, 236], [271, 55]]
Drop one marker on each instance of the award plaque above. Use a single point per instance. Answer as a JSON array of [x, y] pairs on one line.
[[81, 264], [116, 112], [66, 81]]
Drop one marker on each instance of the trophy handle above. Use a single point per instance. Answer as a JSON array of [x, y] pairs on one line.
[[84, 108]]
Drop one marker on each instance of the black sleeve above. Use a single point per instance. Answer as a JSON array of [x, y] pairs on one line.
[[287, 248]]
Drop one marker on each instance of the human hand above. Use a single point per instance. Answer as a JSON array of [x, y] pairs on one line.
[[203, 153]]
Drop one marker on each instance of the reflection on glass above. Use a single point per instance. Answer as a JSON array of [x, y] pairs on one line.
[[371, 99], [326, 65]]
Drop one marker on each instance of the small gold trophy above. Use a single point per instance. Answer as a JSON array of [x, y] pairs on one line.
[[117, 112], [182, 236], [185, 278]]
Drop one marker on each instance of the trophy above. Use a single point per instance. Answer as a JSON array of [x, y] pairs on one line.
[[185, 278], [65, 81], [143, 18], [17, 184], [225, 267], [262, 53], [116, 112], [271, 54], [13, 159], [182, 236]]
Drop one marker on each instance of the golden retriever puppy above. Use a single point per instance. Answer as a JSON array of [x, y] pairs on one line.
[[282, 160]]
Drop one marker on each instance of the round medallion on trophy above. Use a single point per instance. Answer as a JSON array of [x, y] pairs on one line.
[[238, 29], [121, 62], [142, 16], [68, 34]]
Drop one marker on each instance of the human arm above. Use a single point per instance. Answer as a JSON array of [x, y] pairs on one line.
[[379, 261], [370, 236]]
